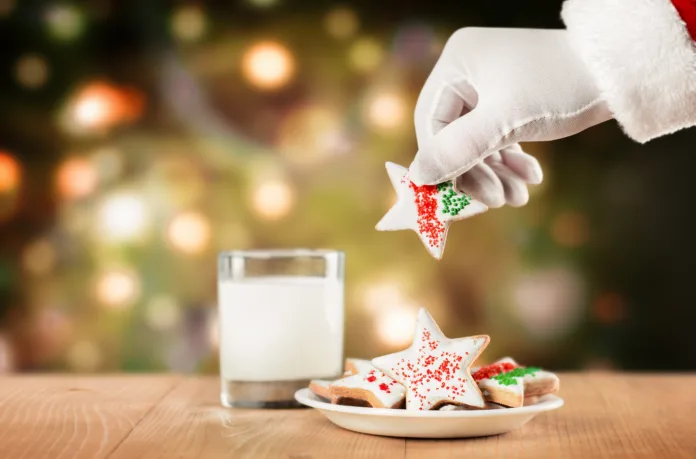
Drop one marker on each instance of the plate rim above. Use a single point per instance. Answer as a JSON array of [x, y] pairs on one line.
[[547, 402]]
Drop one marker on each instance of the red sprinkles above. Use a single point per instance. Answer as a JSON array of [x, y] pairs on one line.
[[492, 370], [433, 369], [429, 225]]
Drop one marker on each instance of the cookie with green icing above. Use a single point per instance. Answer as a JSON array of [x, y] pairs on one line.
[[507, 383]]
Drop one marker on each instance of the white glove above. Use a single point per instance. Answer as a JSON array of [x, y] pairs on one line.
[[490, 89]]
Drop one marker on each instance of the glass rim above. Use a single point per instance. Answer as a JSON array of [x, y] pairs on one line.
[[280, 253]]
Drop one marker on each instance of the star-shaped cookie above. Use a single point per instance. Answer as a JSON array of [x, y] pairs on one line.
[[436, 370], [428, 210], [507, 383]]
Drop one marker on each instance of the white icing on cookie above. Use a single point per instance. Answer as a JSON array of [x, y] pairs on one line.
[[382, 387], [435, 369], [428, 210], [511, 391]]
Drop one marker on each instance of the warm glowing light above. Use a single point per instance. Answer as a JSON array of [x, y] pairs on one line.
[[310, 134], [570, 229], [117, 289], [189, 23], [39, 257], [395, 326], [341, 23], [382, 295], [100, 106], [365, 55], [609, 308], [65, 22], [268, 65], [549, 303], [162, 313], [76, 178], [273, 200], [189, 232], [10, 174], [6, 7], [122, 217], [386, 111], [84, 356], [32, 71], [262, 3]]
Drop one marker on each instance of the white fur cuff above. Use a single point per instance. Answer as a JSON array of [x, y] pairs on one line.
[[642, 59]]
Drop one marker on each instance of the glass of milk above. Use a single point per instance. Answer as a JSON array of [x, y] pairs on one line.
[[281, 323]]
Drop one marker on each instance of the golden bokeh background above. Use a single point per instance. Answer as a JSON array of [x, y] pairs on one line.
[[139, 139]]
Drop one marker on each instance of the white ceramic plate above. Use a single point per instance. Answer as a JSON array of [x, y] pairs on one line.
[[428, 424]]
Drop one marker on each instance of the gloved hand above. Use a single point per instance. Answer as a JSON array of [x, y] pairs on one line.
[[493, 88]]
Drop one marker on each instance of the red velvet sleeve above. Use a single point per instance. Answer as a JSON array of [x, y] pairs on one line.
[[687, 11]]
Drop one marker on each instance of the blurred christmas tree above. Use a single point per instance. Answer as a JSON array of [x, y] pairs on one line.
[[139, 142]]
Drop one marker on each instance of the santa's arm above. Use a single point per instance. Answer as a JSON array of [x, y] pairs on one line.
[[642, 55]]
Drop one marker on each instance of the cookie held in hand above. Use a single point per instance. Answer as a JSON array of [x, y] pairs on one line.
[[428, 210]]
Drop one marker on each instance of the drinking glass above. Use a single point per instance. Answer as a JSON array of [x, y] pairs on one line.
[[281, 315]]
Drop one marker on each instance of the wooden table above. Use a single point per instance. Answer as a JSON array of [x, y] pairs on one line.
[[137, 416]]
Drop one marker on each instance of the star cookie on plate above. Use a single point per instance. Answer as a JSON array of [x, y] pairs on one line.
[[435, 369], [374, 387], [428, 210], [507, 383]]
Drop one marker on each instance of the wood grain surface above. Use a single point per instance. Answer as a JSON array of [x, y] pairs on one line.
[[129, 417]]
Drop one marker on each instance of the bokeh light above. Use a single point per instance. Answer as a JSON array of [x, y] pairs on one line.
[[117, 288], [311, 133], [189, 23], [609, 308], [383, 294], [268, 65], [10, 173], [99, 106], [122, 217], [395, 326], [32, 71], [365, 55], [84, 356], [570, 229], [273, 199], [76, 178], [6, 7], [189, 232], [65, 22], [39, 257], [341, 23], [262, 3], [162, 313], [386, 111], [549, 303], [55, 330]]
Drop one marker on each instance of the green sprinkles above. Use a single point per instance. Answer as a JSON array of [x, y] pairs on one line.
[[452, 202], [509, 377]]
